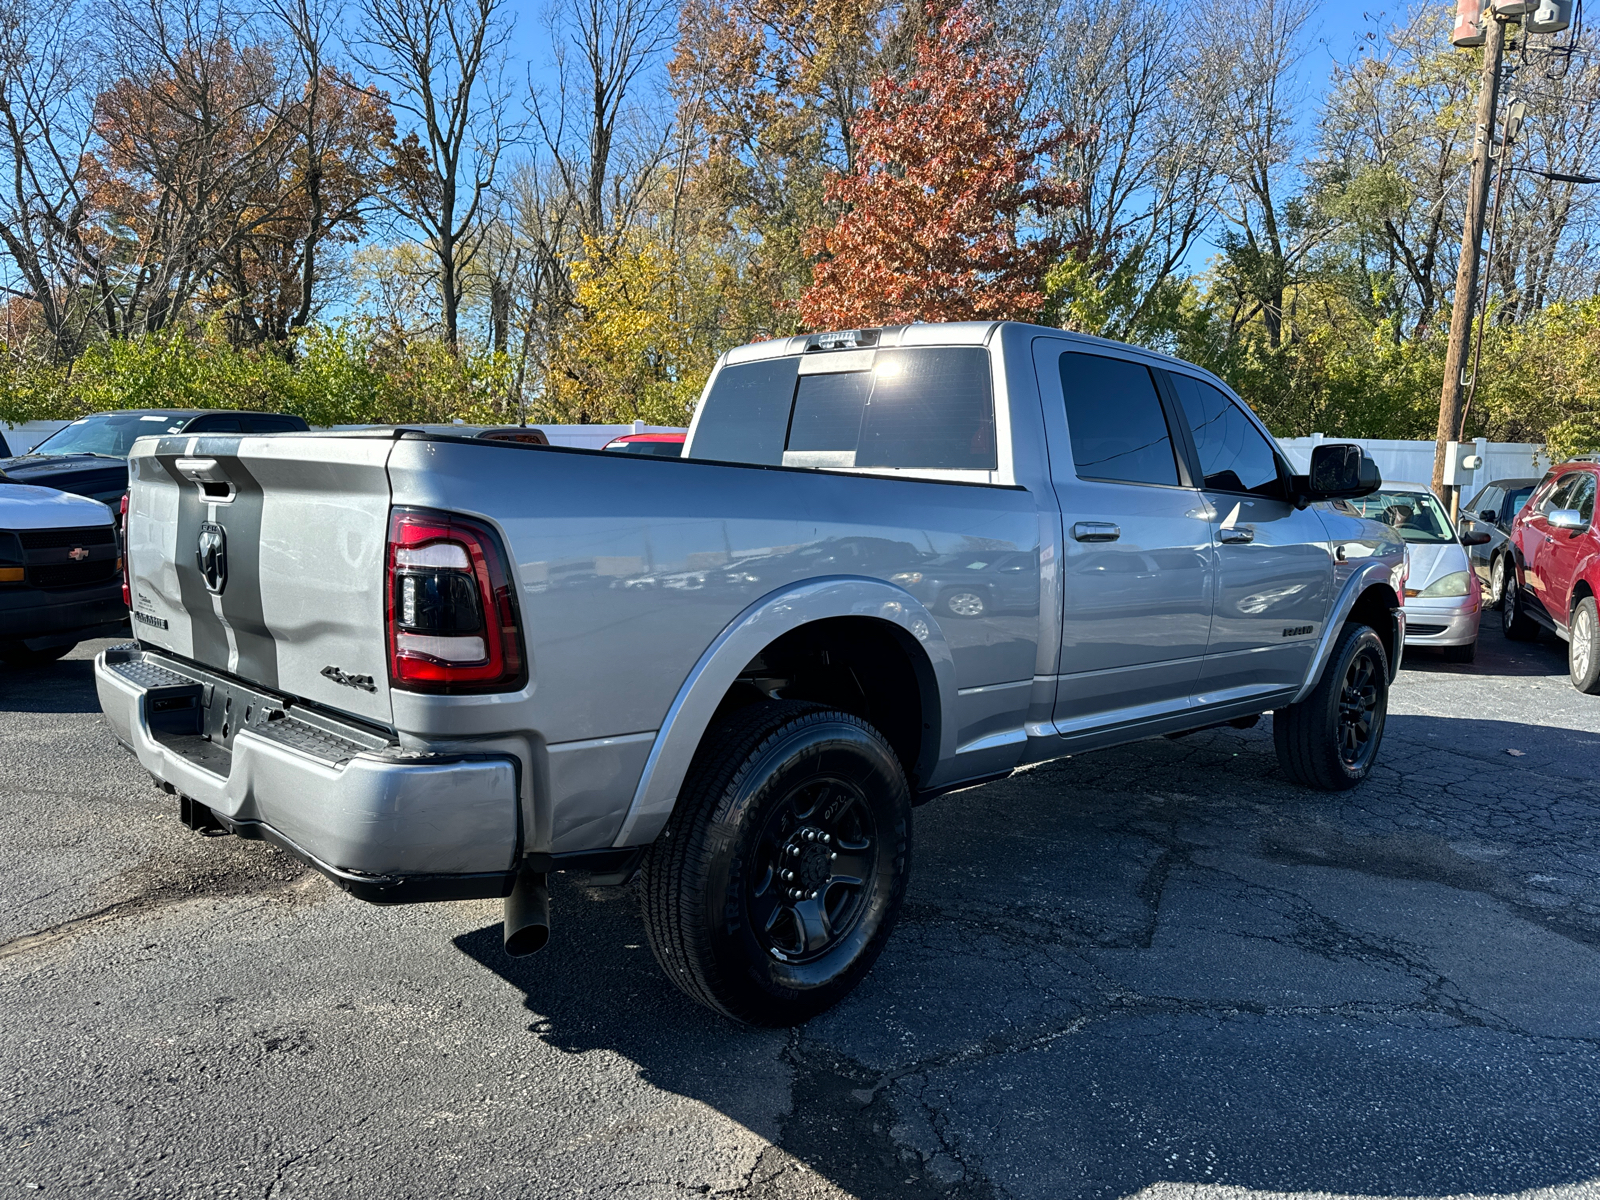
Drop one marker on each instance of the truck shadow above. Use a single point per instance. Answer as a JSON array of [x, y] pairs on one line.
[[1160, 964]]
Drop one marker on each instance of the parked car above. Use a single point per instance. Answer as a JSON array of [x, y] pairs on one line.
[[1552, 573], [60, 574], [415, 660], [1491, 511], [1443, 596], [89, 457], [661, 445]]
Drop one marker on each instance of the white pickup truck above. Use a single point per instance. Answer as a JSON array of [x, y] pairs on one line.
[[891, 563]]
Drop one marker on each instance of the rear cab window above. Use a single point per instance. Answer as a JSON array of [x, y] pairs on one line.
[[922, 410]]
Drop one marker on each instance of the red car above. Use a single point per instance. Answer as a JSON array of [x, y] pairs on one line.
[[659, 445], [1552, 575]]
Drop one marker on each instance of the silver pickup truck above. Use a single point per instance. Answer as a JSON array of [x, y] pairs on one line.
[[890, 564]]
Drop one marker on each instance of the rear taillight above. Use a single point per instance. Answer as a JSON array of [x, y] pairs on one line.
[[451, 614], [122, 536]]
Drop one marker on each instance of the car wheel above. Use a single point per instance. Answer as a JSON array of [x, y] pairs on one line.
[[1330, 740], [1583, 651], [18, 655], [965, 603], [1515, 623], [777, 881], [1496, 586], [1460, 654]]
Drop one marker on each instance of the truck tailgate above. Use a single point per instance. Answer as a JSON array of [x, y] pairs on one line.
[[264, 557]]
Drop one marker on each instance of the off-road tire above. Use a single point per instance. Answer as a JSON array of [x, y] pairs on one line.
[[17, 655], [1515, 622], [1310, 736], [700, 881], [1583, 662], [1461, 654]]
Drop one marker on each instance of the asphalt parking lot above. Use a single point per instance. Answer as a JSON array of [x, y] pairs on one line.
[[1158, 970]]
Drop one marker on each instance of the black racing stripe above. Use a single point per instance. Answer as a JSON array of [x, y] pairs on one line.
[[210, 639], [241, 599]]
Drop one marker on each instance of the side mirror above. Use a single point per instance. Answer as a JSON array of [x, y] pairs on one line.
[[1341, 472], [1565, 518], [1475, 537], [1489, 516]]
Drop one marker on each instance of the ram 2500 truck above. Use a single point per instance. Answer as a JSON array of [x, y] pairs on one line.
[[890, 564]]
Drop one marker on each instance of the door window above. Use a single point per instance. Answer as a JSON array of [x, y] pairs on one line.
[[1581, 497], [1556, 497], [1234, 457], [1513, 503], [1488, 499], [1115, 421]]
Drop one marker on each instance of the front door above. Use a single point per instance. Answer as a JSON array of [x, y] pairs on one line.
[[1274, 570], [1137, 565], [1563, 548]]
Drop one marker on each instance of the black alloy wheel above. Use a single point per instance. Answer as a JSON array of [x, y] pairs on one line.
[[778, 878], [814, 861], [1361, 708], [1330, 740]]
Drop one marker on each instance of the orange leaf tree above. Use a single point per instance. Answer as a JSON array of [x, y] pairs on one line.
[[948, 166]]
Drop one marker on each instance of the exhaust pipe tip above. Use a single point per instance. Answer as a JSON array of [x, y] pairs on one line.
[[527, 919]]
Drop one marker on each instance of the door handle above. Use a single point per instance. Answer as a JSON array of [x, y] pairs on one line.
[[1095, 531], [1236, 535]]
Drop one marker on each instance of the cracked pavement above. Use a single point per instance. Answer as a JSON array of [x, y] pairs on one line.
[[1156, 971]]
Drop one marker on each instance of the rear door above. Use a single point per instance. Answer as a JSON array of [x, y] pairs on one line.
[[1535, 537], [1274, 571], [1137, 566], [264, 558]]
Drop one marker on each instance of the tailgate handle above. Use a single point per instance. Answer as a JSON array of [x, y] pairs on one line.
[[214, 484]]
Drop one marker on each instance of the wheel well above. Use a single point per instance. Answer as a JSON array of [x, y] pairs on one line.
[[868, 667], [1579, 591], [1375, 607]]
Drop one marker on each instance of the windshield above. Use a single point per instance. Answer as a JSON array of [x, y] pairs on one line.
[[108, 433], [1415, 516]]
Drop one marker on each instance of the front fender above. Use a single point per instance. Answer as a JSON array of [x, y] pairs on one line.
[[1376, 573], [757, 627]]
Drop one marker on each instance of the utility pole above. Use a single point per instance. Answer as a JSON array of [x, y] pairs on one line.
[[1455, 359]]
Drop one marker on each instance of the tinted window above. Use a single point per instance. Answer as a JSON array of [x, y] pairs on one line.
[[276, 423], [930, 407], [1489, 498], [214, 425], [746, 414], [1556, 497], [827, 417], [1515, 501], [1581, 497], [1234, 457], [1115, 422]]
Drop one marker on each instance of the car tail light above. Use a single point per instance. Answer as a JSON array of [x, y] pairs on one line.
[[451, 615], [127, 568]]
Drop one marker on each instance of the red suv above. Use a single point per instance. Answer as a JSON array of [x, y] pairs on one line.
[[1552, 575]]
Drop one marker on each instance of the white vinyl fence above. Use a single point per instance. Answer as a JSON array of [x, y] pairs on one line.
[[1412, 462]]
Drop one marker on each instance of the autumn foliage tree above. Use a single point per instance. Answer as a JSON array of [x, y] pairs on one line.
[[948, 168]]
